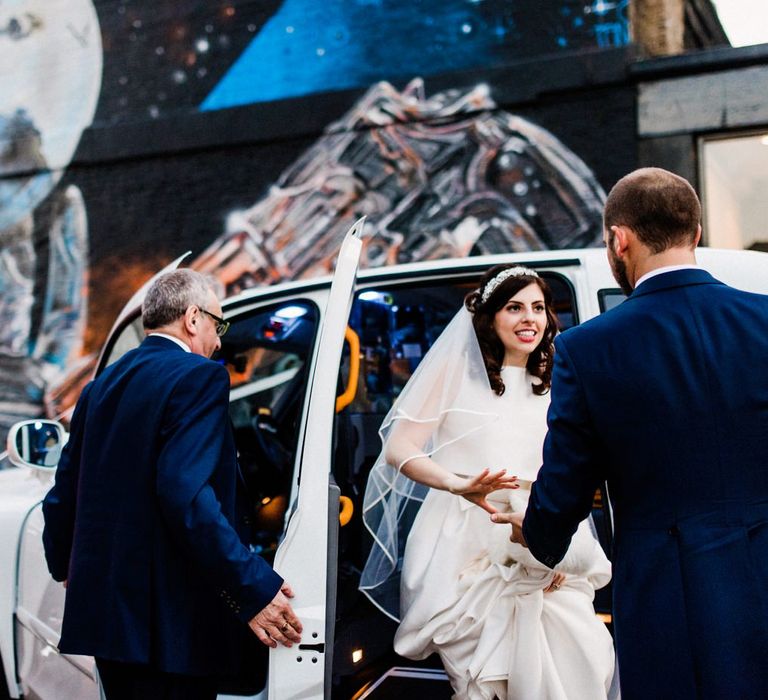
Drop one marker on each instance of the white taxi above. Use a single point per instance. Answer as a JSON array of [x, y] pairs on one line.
[[314, 366]]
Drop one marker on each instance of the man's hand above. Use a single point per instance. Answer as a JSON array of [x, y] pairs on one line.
[[476, 488], [516, 521], [277, 623]]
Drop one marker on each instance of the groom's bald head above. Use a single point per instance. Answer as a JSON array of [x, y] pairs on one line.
[[661, 208]]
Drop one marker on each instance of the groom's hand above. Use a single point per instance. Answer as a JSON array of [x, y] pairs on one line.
[[516, 521]]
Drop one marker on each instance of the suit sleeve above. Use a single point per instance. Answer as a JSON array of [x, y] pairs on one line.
[[193, 437], [60, 504], [564, 489]]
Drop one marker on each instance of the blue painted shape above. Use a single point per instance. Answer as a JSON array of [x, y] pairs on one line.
[[309, 47]]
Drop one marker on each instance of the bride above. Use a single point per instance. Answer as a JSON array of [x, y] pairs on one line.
[[503, 625]]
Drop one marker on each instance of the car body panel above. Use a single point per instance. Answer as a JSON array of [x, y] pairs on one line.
[[20, 491], [39, 612]]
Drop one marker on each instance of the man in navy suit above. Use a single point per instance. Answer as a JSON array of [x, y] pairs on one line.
[[666, 398], [144, 525]]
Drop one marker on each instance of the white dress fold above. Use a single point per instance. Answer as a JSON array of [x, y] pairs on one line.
[[478, 600]]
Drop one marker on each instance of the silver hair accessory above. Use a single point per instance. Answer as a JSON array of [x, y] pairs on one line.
[[494, 282]]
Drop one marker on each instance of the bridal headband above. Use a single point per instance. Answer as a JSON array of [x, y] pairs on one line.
[[494, 282]]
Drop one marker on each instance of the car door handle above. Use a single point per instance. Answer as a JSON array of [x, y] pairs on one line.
[[354, 370], [347, 509]]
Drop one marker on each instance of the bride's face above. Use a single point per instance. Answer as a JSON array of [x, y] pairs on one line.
[[520, 324]]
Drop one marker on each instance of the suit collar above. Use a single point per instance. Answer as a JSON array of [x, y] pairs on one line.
[[173, 339], [675, 278], [157, 341]]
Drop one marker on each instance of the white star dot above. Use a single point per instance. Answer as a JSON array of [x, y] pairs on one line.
[[520, 189]]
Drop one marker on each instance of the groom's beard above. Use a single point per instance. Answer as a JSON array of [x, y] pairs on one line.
[[619, 270]]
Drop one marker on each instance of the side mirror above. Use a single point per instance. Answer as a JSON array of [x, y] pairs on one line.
[[36, 444]]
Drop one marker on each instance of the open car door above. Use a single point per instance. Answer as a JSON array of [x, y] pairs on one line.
[[303, 558]]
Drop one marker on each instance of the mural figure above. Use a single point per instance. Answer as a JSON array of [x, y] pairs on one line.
[[448, 175], [43, 230]]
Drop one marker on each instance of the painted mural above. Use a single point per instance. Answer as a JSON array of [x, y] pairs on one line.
[[43, 229], [439, 173], [439, 176]]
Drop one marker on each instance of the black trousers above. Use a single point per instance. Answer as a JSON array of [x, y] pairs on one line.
[[123, 681]]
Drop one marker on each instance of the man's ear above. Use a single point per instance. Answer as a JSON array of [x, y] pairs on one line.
[[698, 236], [622, 238], [191, 319]]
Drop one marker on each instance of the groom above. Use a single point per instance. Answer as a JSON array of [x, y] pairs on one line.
[[666, 398]]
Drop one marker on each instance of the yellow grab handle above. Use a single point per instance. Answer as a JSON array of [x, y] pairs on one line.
[[347, 509], [354, 370]]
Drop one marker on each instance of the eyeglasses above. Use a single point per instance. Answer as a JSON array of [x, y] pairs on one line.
[[222, 326]]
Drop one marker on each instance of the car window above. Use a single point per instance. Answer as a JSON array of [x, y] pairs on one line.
[[266, 353], [609, 299], [128, 338]]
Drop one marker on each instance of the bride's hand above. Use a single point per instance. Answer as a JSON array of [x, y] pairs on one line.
[[476, 488], [557, 580]]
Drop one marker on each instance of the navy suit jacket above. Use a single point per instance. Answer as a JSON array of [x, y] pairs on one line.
[[666, 398], [143, 520]]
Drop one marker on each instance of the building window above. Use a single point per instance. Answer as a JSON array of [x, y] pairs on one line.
[[734, 174]]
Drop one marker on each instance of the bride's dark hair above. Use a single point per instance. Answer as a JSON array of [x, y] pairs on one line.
[[539, 362]]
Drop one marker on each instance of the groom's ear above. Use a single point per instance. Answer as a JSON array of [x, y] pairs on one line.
[[621, 240]]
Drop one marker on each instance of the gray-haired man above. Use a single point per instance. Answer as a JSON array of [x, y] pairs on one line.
[[144, 523]]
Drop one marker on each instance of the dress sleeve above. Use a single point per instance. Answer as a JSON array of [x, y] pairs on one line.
[[562, 495], [193, 442], [60, 504]]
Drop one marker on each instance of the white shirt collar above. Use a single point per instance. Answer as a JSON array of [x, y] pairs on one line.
[[662, 270], [178, 342]]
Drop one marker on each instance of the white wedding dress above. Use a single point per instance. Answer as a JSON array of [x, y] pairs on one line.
[[478, 600]]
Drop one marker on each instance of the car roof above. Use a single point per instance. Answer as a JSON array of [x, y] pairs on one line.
[[740, 268], [478, 263]]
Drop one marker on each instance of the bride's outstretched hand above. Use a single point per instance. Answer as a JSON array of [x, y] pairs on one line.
[[476, 488]]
